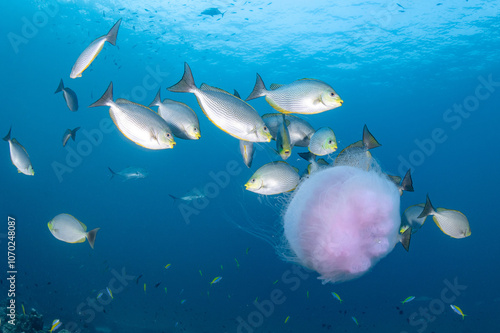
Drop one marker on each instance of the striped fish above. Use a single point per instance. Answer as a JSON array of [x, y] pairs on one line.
[[273, 178], [229, 113], [306, 96]]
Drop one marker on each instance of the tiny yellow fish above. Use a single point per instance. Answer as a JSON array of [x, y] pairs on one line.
[[408, 299], [24, 312], [458, 311], [247, 250], [221, 267], [307, 294], [200, 272], [237, 263], [167, 266], [355, 320], [286, 320], [55, 325], [216, 280], [109, 292], [165, 290], [144, 288], [275, 282], [335, 295]]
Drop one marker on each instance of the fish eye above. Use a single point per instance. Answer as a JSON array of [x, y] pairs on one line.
[[332, 94], [168, 135], [265, 128], [252, 180], [330, 142]]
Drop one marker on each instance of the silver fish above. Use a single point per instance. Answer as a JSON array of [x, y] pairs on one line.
[[247, 151], [69, 134], [231, 114], [129, 173], [190, 196], [451, 222], [273, 178], [19, 156], [69, 96], [180, 118], [90, 53], [323, 142], [299, 130], [137, 122], [357, 154], [306, 96], [411, 219], [68, 229]]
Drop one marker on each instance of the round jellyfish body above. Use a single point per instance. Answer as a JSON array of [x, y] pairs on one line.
[[341, 221]]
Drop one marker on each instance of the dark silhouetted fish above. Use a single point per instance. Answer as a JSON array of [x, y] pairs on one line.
[[212, 12]]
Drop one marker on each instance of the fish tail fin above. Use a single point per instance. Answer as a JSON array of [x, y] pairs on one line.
[[222, 14], [73, 133], [369, 141], [174, 197], [112, 173], [113, 32], [407, 183], [106, 98], [91, 236], [259, 89], [186, 84], [7, 137], [405, 239], [60, 87], [157, 100], [308, 156], [428, 208]]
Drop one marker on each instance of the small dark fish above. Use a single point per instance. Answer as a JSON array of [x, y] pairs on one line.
[[212, 12], [137, 280], [400, 5], [69, 96], [156, 285]]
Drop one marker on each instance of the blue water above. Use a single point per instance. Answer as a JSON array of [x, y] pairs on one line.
[[398, 68]]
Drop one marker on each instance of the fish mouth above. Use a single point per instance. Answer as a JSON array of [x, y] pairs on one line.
[[247, 186], [197, 136], [340, 101]]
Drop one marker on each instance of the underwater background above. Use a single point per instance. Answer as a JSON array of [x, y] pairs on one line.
[[400, 67]]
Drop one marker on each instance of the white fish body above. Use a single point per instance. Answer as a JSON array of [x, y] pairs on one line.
[[323, 142], [68, 229], [137, 122], [231, 114], [305, 96], [452, 222], [273, 178], [90, 53], [19, 156], [300, 131], [410, 218], [130, 173], [181, 119], [247, 150]]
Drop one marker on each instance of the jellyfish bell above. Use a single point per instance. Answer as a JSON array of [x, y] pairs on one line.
[[342, 220]]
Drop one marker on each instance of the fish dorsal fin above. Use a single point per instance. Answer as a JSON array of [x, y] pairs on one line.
[[171, 101], [369, 141], [270, 115], [395, 179], [275, 86], [206, 87], [126, 101], [14, 141]]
